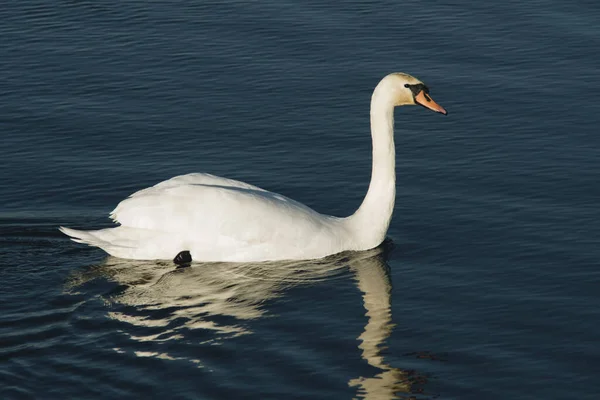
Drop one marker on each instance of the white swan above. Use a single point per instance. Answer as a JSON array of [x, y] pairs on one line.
[[216, 219]]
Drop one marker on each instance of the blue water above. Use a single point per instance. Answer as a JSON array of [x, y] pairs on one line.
[[487, 287]]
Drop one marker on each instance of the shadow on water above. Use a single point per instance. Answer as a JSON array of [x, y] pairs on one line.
[[159, 302]]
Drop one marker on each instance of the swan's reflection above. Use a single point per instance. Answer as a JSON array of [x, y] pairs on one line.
[[373, 280], [222, 297]]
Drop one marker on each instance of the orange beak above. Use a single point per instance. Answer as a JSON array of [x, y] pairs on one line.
[[423, 99]]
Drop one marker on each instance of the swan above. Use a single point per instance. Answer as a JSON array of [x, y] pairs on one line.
[[203, 217]]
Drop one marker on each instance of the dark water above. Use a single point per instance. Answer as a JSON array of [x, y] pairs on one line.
[[488, 288]]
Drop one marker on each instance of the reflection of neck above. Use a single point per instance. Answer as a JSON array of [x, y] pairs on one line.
[[374, 282], [370, 222]]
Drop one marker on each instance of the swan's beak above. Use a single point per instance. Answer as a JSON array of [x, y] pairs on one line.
[[423, 99]]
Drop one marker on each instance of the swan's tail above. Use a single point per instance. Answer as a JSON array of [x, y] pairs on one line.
[[124, 242], [85, 237]]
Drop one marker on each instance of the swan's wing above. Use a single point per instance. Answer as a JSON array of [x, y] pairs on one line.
[[220, 212], [216, 219]]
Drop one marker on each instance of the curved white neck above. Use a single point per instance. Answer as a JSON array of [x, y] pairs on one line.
[[372, 219]]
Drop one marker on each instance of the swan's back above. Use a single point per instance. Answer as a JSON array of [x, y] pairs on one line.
[[216, 219]]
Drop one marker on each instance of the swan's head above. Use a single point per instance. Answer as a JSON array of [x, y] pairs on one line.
[[402, 89]]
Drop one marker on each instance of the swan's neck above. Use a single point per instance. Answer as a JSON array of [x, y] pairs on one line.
[[370, 222]]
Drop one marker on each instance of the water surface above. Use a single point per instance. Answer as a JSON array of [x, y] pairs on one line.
[[487, 288]]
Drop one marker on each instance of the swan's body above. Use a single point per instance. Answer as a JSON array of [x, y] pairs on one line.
[[218, 219]]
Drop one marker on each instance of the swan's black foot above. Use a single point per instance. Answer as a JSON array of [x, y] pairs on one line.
[[184, 257]]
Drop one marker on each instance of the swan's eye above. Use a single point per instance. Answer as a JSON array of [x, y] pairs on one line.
[[417, 88]]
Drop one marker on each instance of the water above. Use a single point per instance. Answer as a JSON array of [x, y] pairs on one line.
[[487, 288]]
